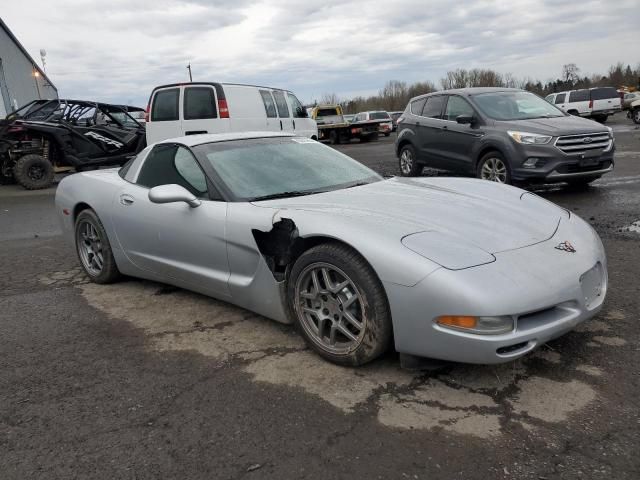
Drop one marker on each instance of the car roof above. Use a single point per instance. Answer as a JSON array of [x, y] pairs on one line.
[[192, 140]]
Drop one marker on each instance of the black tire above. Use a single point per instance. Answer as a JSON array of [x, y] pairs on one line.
[[601, 118], [387, 134], [33, 172], [408, 162], [374, 336], [501, 176], [573, 112], [109, 271], [334, 138], [6, 171], [635, 115]]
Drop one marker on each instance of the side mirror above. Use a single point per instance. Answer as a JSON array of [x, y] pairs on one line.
[[465, 119], [173, 193]]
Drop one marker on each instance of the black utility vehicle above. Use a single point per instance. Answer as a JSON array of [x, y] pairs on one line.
[[48, 136]]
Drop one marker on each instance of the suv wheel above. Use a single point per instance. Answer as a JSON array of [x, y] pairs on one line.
[[6, 172], [33, 172], [409, 167], [635, 115], [493, 167]]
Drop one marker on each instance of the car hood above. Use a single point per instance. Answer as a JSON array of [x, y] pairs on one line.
[[556, 126], [484, 214]]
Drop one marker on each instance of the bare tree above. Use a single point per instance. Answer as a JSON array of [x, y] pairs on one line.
[[329, 99], [570, 73]]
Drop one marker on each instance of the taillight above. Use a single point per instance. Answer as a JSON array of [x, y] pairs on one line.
[[146, 114], [223, 109], [15, 129], [591, 103], [356, 130]]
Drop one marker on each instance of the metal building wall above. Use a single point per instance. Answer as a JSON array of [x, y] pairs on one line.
[[18, 84]]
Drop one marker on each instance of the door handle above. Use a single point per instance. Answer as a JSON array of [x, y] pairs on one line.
[[195, 132], [280, 124], [294, 124], [126, 199], [444, 127]]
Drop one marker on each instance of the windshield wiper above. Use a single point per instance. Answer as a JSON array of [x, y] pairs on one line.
[[294, 193]]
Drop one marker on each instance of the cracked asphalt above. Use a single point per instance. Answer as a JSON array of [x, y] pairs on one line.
[[141, 380]]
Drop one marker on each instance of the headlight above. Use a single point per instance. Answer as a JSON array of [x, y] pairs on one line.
[[478, 325], [529, 138]]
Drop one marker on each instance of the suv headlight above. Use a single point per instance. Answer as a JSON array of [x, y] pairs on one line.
[[529, 138]]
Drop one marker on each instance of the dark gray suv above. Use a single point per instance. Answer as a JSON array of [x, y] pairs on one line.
[[501, 134]]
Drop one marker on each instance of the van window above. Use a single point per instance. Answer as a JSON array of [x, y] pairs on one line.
[[298, 109], [199, 102], [417, 106], [269, 105], [560, 98], [433, 107], [579, 96], [549, 98], [603, 93], [281, 103], [165, 105]]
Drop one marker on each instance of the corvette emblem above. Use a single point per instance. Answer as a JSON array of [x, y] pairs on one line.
[[565, 247]]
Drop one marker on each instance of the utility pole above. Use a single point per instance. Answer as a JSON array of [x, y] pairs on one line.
[[190, 77]]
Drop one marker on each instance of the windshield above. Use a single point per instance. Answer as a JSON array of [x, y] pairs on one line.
[[379, 116], [515, 106], [326, 112], [286, 166]]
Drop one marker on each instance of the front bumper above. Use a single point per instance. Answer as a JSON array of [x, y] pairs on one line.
[[547, 291], [553, 165]]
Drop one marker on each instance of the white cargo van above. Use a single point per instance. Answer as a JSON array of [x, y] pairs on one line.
[[201, 107]]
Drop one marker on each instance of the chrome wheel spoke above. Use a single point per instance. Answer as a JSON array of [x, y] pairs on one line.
[[330, 308]]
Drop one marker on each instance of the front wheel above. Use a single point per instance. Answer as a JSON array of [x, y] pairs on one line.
[[339, 305], [409, 166], [94, 249], [493, 167]]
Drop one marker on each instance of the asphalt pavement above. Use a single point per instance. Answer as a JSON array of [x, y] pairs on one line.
[[138, 380]]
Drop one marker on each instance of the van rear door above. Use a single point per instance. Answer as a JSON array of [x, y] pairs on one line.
[[164, 116], [605, 99], [200, 111]]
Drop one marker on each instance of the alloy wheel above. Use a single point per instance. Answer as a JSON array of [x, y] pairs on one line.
[[330, 308], [406, 161], [90, 248], [494, 169]]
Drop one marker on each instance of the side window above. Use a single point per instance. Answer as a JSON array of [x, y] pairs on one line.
[[298, 109], [165, 105], [549, 98], [457, 106], [167, 164], [579, 96], [417, 106], [433, 107], [560, 98], [281, 103], [199, 102], [269, 104]]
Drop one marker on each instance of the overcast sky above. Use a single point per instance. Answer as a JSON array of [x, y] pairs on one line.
[[117, 50]]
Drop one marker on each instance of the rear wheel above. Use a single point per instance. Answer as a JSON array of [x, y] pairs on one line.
[[493, 167], [334, 138], [94, 249], [635, 115], [409, 166], [33, 172], [601, 118], [339, 305]]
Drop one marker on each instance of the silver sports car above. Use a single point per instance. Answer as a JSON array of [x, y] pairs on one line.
[[448, 268]]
